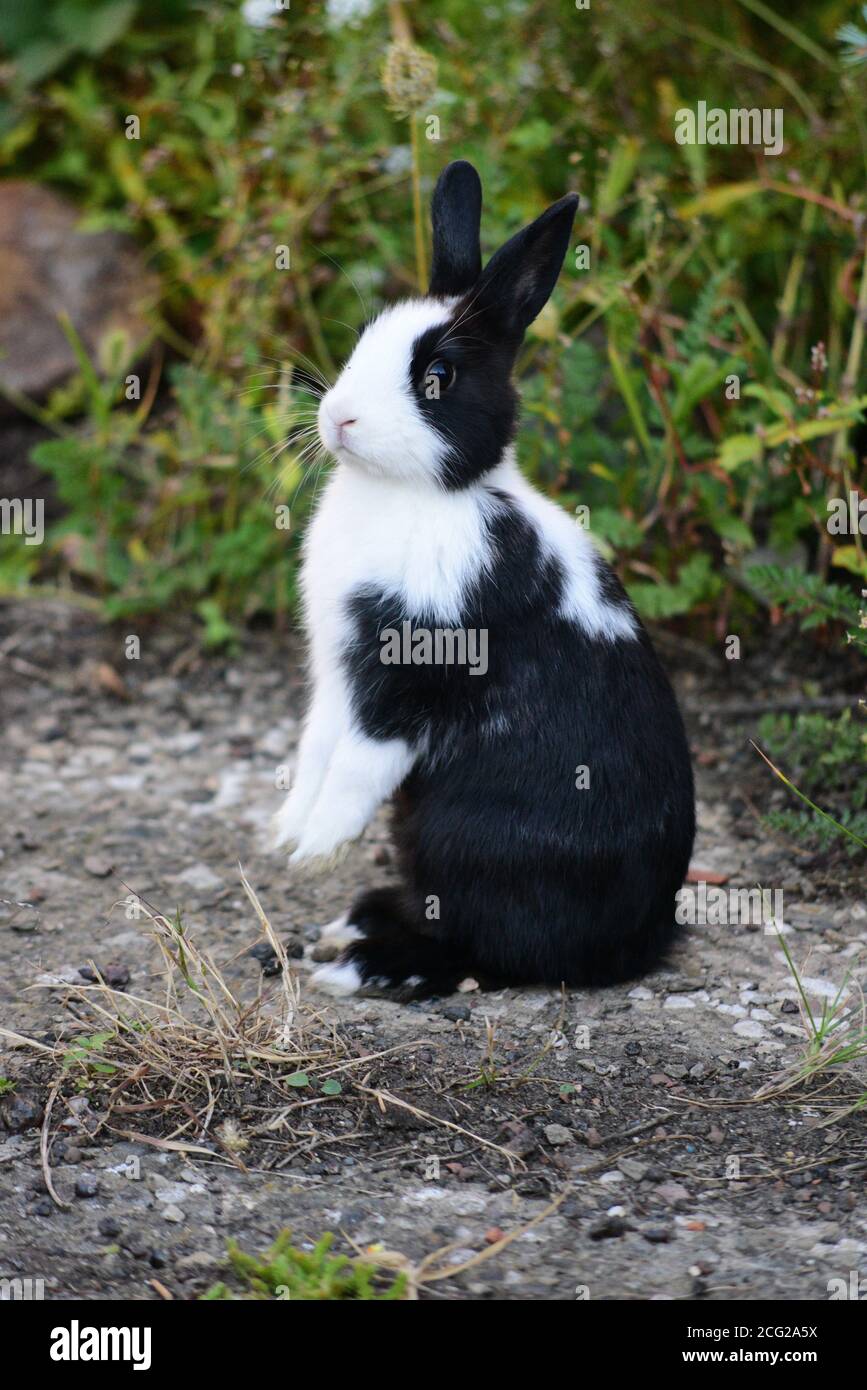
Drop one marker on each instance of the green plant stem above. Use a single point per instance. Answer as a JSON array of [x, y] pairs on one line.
[[789, 300], [418, 221]]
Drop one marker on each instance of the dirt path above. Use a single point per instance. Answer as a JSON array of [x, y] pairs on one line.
[[632, 1102]]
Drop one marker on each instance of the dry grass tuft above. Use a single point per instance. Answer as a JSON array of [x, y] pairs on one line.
[[201, 1070]]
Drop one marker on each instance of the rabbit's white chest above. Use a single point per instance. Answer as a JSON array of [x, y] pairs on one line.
[[371, 534]]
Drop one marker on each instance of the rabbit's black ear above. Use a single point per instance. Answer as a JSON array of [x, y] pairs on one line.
[[518, 279], [456, 211]]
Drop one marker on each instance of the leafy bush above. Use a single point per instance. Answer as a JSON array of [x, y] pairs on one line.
[[824, 758]]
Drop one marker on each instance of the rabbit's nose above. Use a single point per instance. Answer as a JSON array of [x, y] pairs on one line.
[[342, 426], [335, 420]]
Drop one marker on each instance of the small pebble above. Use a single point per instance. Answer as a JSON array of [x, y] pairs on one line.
[[656, 1235], [98, 866], [558, 1135], [20, 1113], [609, 1228]]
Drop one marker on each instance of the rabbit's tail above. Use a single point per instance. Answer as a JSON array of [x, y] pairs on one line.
[[384, 952]]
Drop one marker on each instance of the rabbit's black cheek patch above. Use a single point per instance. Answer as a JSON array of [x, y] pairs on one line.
[[476, 416]]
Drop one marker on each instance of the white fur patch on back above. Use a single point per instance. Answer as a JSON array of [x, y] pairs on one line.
[[583, 600]]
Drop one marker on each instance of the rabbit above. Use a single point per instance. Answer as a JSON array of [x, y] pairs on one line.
[[543, 805]]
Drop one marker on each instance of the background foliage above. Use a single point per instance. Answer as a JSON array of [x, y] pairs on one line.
[[262, 128]]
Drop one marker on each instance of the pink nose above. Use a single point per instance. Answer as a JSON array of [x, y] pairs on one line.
[[341, 429]]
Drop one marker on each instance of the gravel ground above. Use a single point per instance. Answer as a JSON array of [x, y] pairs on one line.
[[632, 1108]]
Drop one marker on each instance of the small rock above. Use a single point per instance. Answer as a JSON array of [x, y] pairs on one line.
[[519, 1138], [633, 1168], [25, 919], [98, 865], [115, 975], [656, 1235], [197, 1260], [158, 1259], [21, 1113], [264, 953], [87, 1186], [173, 1214], [672, 1192], [109, 1228], [457, 1013], [135, 1243], [201, 878], [748, 1028], [825, 989], [609, 1228], [171, 1193], [558, 1135], [66, 975]]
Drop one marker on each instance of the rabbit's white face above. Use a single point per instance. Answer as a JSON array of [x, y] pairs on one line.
[[370, 418]]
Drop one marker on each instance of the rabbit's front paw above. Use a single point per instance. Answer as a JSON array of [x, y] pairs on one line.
[[326, 838], [287, 824]]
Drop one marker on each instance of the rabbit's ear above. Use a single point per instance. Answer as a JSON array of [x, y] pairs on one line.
[[518, 279], [456, 211]]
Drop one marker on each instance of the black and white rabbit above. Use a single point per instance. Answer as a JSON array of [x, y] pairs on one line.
[[543, 807]]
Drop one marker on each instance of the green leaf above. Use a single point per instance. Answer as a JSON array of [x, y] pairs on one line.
[[849, 557], [331, 1087], [739, 449], [621, 169], [732, 528], [778, 401], [719, 199], [696, 582], [298, 1078], [94, 28], [40, 59], [627, 391]]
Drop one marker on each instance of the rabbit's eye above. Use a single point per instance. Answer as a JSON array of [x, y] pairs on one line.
[[438, 377]]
